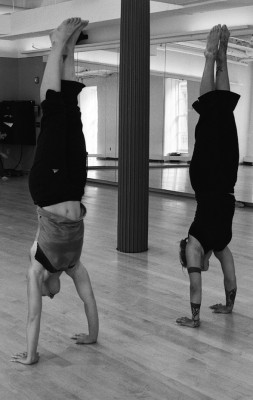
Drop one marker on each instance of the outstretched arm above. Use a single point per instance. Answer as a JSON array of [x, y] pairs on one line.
[[34, 282], [83, 286]]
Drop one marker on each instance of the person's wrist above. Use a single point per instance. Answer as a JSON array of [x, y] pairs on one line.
[[32, 357]]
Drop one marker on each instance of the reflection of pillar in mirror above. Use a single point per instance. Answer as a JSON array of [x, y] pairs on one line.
[[134, 126], [249, 156]]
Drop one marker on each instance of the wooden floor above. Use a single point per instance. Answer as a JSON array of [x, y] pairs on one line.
[[141, 352], [173, 178]]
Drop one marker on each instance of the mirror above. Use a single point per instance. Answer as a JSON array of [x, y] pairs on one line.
[[175, 73], [99, 71]]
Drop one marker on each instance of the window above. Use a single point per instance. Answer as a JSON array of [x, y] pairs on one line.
[[89, 110], [175, 116]]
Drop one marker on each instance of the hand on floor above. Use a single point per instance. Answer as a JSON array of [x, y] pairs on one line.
[[22, 358], [190, 323], [82, 338], [221, 309]]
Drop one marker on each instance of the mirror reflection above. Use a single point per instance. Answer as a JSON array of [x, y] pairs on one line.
[[99, 71], [175, 73]]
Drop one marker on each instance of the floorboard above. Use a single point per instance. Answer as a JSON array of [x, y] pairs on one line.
[[141, 352]]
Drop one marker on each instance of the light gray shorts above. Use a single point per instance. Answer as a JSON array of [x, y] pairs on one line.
[[60, 240]]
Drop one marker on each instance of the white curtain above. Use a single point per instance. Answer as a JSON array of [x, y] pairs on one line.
[[89, 110], [171, 115], [175, 116]]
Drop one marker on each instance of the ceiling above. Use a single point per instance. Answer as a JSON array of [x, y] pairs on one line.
[[10, 6], [184, 6], [240, 49], [208, 4]]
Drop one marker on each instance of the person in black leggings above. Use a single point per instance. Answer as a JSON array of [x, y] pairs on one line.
[[56, 183], [213, 174]]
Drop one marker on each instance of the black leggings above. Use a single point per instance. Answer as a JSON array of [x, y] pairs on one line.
[[59, 171], [215, 158]]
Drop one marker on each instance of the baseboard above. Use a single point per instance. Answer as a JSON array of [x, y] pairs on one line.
[[248, 160], [177, 158], [107, 158], [247, 163]]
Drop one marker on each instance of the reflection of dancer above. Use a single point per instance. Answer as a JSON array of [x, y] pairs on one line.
[[57, 182], [213, 174]]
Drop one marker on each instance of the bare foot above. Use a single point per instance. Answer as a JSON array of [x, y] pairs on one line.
[[64, 31], [224, 37], [75, 35], [212, 42]]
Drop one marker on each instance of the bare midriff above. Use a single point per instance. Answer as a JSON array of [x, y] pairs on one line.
[[68, 209]]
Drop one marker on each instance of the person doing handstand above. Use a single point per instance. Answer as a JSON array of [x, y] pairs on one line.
[[213, 174], [56, 184]]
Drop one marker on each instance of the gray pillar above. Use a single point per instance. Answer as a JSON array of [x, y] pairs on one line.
[[134, 126]]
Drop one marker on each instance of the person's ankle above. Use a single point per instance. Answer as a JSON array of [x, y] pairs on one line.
[[196, 322], [58, 46]]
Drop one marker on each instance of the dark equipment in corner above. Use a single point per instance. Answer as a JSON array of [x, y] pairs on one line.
[[17, 122]]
